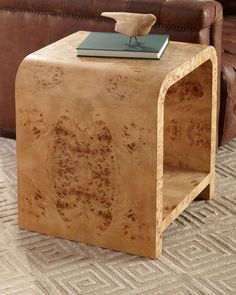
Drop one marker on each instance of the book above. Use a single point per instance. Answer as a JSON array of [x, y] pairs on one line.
[[100, 44]]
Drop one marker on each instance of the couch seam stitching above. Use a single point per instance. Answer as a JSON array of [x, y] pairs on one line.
[[77, 17]]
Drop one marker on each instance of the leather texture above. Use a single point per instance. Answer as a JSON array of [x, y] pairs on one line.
[[228, 97], [28, 25]]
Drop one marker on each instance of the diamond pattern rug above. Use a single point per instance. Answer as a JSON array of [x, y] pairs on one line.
[[199, 255]]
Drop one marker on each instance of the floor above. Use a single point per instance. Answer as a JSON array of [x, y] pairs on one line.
[[199, 254]]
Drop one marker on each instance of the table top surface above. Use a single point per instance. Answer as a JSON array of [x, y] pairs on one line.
[[177, 54]]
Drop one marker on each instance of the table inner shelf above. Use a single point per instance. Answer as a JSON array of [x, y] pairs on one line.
[[181, 186]]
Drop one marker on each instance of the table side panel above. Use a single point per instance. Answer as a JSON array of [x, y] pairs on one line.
[[87, 153], [206, 73], [187, 135]]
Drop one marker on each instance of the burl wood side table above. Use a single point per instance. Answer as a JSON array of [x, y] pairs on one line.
[[111, 151]]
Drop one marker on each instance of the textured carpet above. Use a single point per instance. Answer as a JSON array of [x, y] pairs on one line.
[[199, 254]]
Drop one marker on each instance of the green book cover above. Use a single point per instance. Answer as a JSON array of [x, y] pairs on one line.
[[117, 45]]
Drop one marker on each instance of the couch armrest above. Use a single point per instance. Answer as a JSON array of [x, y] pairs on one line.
[[192, 14], [196, 16]]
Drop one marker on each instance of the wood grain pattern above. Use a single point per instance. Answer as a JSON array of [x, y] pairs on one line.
[[93, 135], [181, 186]]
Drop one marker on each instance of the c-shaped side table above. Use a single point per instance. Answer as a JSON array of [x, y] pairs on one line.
[[111, 151]]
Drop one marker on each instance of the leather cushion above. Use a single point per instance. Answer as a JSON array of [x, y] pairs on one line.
[[229, 35], [229, 77]]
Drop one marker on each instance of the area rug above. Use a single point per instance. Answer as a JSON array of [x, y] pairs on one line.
[[199, 255]]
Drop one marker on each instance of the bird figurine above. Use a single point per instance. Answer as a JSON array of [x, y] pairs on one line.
[[132, 24]]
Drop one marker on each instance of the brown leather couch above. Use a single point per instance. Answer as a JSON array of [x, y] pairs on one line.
[[228, 83], [28, 25]]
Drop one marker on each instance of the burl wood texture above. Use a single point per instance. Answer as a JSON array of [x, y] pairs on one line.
[[92, 141]]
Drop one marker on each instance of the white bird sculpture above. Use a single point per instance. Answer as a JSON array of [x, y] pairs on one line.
[[132, 24]]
